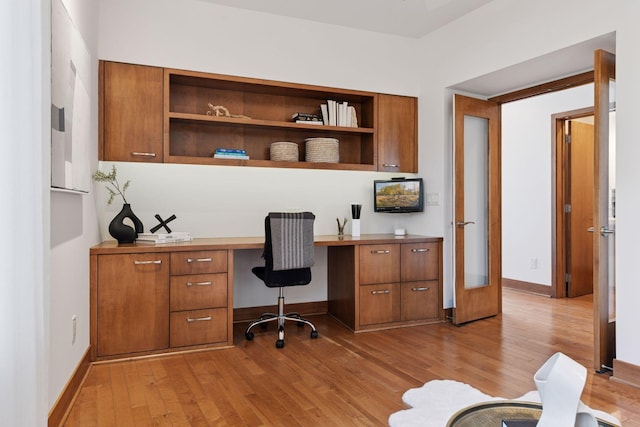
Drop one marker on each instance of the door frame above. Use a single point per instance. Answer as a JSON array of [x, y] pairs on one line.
[[560, 161]]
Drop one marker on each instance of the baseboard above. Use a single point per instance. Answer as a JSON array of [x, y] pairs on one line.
[[626, 373], [303, 308], [58, 412], [534, 288]]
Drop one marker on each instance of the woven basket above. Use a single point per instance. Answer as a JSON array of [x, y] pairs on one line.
[[284, 151], [325, 150]]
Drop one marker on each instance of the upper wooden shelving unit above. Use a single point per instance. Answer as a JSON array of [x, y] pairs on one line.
[[263, 111]]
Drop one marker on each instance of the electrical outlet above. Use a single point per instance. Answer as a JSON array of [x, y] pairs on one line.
[[74, 327]]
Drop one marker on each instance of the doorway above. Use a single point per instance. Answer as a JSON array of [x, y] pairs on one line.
[[574, 172]]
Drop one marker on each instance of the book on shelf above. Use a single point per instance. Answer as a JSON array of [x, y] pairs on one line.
[[310, 122], [297, 117], [339, 113], [324, 110], [232, 156], [230, 151], [178, 236], [332, 107], [352, 119]]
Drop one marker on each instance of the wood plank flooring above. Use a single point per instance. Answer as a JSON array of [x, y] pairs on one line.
[[345, 379]]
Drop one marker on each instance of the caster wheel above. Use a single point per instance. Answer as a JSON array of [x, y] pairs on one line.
[[314, 334], [279, 343], [248, 336]]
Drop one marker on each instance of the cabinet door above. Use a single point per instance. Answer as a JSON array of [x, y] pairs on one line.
[[133, 303], [379, 304], [379, 264], [397, 133], [132, 112], [419, 300], [419, 261]]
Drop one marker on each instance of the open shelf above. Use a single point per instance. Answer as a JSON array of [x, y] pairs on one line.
[[265, 110]]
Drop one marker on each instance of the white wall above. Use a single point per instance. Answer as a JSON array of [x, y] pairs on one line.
[[231, 201], [74, 229], [627, 179], [24, 115], [527, 167]]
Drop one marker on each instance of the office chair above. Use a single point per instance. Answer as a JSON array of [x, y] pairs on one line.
[[288, 255]]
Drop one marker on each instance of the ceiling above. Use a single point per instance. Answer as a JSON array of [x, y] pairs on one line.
[[407, 18], [416, 18]]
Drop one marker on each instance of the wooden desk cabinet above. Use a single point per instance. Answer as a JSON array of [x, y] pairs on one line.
[[386, 285], [157, 299], [150, 299]]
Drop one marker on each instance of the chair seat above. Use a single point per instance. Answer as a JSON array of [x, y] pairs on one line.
[[279, 279]]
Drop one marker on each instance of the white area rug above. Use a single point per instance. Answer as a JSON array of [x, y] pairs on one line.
[[433, 404]]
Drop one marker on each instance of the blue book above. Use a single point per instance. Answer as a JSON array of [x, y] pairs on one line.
[[231, 151]]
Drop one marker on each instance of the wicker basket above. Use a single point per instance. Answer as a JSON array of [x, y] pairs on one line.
[[284, 151], [326, 150]]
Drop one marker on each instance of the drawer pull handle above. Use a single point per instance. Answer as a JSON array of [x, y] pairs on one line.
[[137, 153], [199, 319], [390, 165], [383, 251], [190, 260], [420, 250], [157, 261], [426, 288], [209, 283], [386, 291]]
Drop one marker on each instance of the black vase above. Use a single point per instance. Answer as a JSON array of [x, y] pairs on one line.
[[122, 232]]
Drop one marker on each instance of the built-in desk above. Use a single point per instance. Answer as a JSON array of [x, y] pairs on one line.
[[147, 299]]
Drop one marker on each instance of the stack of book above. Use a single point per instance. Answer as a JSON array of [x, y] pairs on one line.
[[336, 113], [230, 153], [308, 119], [177, 236]]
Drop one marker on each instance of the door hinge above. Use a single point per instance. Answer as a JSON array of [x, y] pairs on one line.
[[567, 277], [567, 138], [567, 208]]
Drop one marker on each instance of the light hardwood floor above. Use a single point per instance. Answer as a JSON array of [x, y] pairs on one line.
[[345, 379]]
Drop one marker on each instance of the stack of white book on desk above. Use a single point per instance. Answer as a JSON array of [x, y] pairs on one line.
[[178, 236]]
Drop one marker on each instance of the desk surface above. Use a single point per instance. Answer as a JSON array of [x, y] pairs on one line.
[[112, 247]]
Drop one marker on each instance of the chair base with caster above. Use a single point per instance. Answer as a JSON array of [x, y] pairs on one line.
[[280, 318]]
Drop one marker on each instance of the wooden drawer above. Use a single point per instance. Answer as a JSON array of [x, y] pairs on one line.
[[198, 262], [419, 261], [379, 264], [379, 303], [419, 300], [198, 327], [196, 291]]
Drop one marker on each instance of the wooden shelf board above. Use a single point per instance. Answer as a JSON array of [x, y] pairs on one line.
[[203, 118], [268, 163]]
